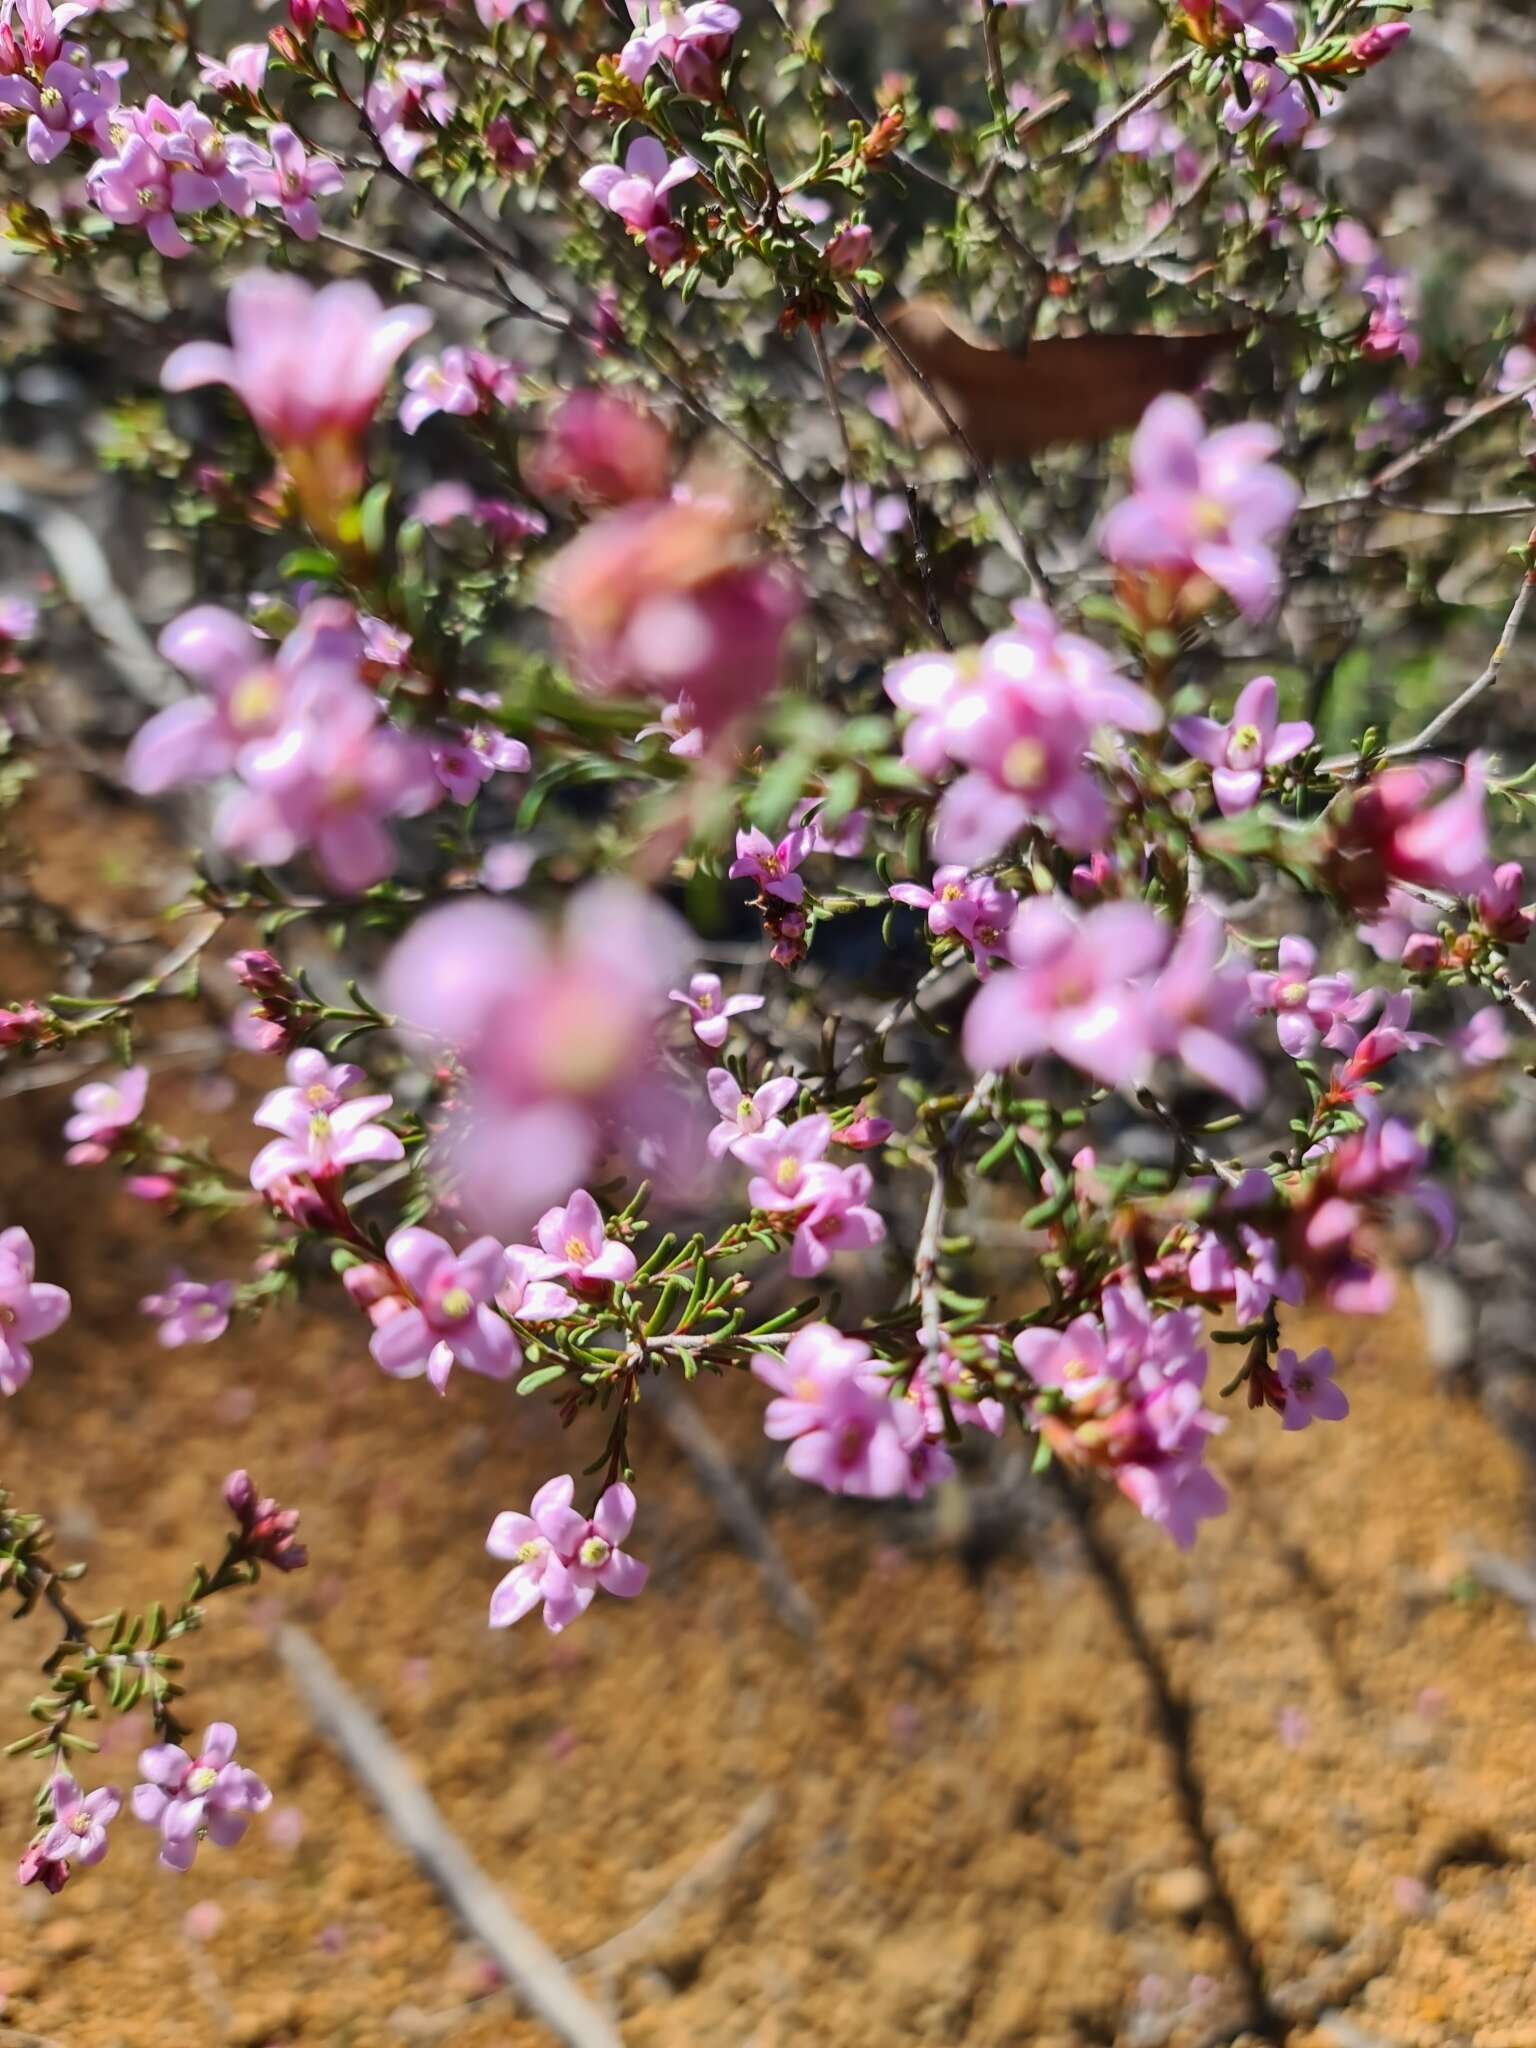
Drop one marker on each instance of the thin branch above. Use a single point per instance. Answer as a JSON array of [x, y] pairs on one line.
[[1485, 409], [925, 1264], [1153, 90], [534, 1971], [711, 1871]]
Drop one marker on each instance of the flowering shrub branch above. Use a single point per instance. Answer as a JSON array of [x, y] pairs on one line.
[[829, 860]]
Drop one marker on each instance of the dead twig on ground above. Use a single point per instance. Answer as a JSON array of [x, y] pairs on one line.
[[712, 1870]]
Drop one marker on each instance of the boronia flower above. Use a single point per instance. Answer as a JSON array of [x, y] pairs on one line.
[[189, 1798], [559, 1557], [449, 1319]]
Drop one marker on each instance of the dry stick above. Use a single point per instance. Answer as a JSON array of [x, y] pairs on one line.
[[925, 1265], [734, 1504], [1022, 550], [1427, 734], [535, 1972], [713, 1868], [1485, 409]]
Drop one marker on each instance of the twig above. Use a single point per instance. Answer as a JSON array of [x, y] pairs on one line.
[[1485, 409], [533, 1970], [1153, 90], [707, 1875], [925, 1264], [734, 1504]]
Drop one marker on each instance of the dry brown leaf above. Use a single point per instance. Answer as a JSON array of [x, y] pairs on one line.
[[1070, 388]]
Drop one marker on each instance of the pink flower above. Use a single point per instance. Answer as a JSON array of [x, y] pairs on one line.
[[464, 765], [1499, 909], [326, 781], [866, 1133], [694, 40], [560, 1558], [1411, 825], [189, 1797], [1306, 1006], [104, 1113], [975, 909], [679, 726], [577, 1248], [36, 1868], [848, 250], [141, 188], [463, 381], [1199, 1007], [405, 103], [1387, 1037], [309, 366], [293, 181], [321, 1133], [509, 151], [243, 70], [844, 1431], [1484, 1040], [1241, 750], [837, 1218], [525, 1296], [603, 449], [1253, 1282], [1379, 41], [1310, 1392], [1072, 990], [68, 100], [451, 1322], [637, 193], [743, 1115], [772, 866], [783, 1162], [1402, 919], [80, 1821], [711, 1015], [1203, 504], [1073, 1361], [190, 1311]]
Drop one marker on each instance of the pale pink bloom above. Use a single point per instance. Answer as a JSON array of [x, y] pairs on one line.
[[695, 40], [80, 1821], [525, 1295], [1402, 918], [710, 1010], [321, 1134], [406, 104], [1199, 1008], [1419, 823], [559, 1558], [638, 191], [1073, 989], [577, 1248], [104, 1113], [848, 250], [866, 1133], [464, 764], [975, 909], [293, 181], [1238, 752], [65, 103], [462, 381], [844, 1431], [971, 1407], [189, 1797], [837, 1218], [190, 1311], [1500, 911], [1252, 1282], [1073, 1361], [243, 70], [743, 1115], [1306, 1006], [784, 1163], [773, 866], [506, 865], [679, 726], [603, 449], [846, 839], [1310, 1392], [309, 366], [450, 1321], [1484, 1040], [1206, 504], [143, 188], [29, 1308]]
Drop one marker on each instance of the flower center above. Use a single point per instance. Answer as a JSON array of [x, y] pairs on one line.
[[578, 1251], [80, 1823], [201, 1780], [706, 1003], [787, 1173], [594, 1553], [148, 198], [771, 866], [1293, 994], [951, 893], [533, 1549], [1024, 765], [254, 701], [457, 1303], [319, 1127], [50, 98]]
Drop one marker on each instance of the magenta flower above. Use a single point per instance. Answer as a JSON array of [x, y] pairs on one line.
[[243, 70], [975, 909], [866, 1133], [772, 866], [68, 100], [1252, 1282], [268, 1532], [1203, 504], [1073, 990], [1306, 1006], [710, 1012], [309, 366], [80, 1821], [694, 40], [837, 1218], [577, 1248], [327, 780], [451, 1322], [464, 381], [784, 1163], [190, 1797], [406, 103], [637, 193], [293, 181], [140, 189], [678, 725], [560, 1558], [1500, 911], [1310, 1392], [190, 1311], [1239, 751], [743, 1115], [844, 1431], [29, 1308], [104, 1113], [464, 765], [320, 1133]]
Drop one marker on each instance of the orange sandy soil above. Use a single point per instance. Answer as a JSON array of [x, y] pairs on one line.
[[980, 1827]]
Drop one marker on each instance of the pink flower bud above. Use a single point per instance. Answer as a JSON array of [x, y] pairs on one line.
[[367, 1285], [151, 1187], [1379, 42], [849, 249], [1421, 954]]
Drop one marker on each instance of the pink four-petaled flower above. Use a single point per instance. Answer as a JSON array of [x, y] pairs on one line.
[[449, 1320], [559, 1557], [188, 1797], [710, 1010], [1252, 740]]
